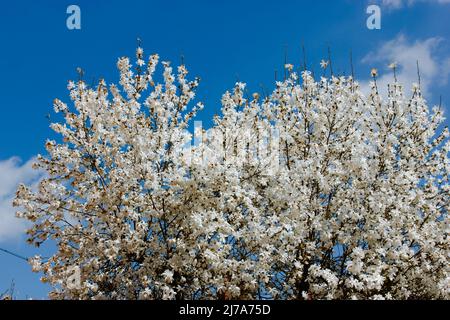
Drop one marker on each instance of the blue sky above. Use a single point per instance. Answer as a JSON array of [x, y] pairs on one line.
[[221, 41]]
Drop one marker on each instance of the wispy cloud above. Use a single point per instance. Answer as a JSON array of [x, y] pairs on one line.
[[434, 69], [397, 4], [12, 172]]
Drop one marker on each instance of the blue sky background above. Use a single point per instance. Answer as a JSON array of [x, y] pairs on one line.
[[221, 41]]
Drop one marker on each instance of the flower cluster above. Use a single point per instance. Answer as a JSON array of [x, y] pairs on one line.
[[316, 191]]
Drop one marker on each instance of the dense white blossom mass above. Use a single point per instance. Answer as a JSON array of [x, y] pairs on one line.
[[315, 191]]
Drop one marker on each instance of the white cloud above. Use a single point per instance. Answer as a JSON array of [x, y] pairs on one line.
[[434, 70], [13, 172], [397, 4], [393, 4], [445, 68]]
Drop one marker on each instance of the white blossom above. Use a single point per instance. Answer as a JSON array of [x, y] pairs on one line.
[[324, 64], [316, 191]]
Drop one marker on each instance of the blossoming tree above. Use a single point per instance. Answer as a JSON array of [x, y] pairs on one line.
[[316, 191]]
